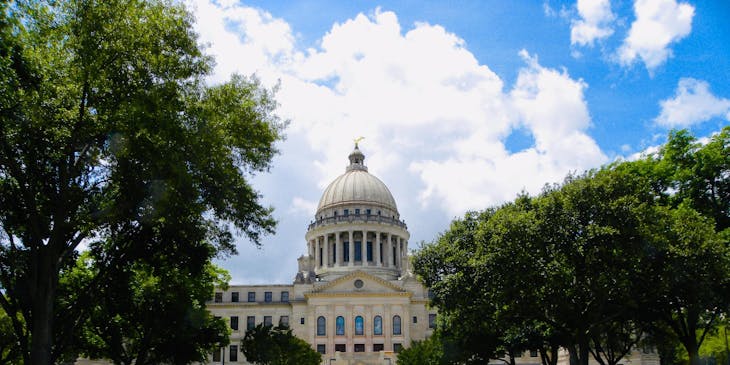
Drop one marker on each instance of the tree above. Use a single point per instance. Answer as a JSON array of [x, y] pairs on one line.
[[141, 318], [109, 136], [267, 345], [687, 272], [595, 263], [427, 352], [9, 349]]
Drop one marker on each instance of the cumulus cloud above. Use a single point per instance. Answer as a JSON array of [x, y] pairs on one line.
[[658, 24], [594, 23], [242, 39], [425, 104], [551, 106], [434, 118], [302, 206], [692, 103]]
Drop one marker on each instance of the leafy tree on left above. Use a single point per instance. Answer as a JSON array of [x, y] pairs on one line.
[[110, 137]]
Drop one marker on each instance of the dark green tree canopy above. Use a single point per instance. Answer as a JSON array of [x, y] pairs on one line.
[[110, 136], [267, 345], [593, 264]]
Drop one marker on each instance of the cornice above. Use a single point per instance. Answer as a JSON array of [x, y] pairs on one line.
[[357, 274], [356, 294]]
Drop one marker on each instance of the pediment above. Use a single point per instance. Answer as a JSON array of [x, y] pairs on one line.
[[359, 282]]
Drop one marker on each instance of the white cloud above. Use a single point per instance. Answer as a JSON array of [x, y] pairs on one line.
[[594, 23], [658, 24], [242, 39], [692, 103], [420, 97], [302, 206], [548, 103], [434, 118]]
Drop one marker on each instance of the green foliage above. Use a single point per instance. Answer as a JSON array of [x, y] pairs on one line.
[[9, 347], [109, 136], [427, 352], [717, 345], [146, 312], [266, 345], [592, 264]]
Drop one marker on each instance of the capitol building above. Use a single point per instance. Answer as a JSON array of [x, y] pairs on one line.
[[354, 298]]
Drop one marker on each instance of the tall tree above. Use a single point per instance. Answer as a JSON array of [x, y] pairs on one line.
[[686, 273], [591, 264], [109, 136], [145, 311]]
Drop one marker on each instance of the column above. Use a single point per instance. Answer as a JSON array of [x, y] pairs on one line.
[[394, 251], [400, 252], [338, 250], [326, 259], [351, 250], [377, 249], [316, 252], [389, 251], [364, 248]]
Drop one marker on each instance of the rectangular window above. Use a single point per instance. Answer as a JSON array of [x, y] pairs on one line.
[[533, 353], [518, 354], [340, 347], [217, 354], [252, 296], [321, 348], [334, 253], [378, 347], [234, 323], [358, 251], [346, 251], [267, 320], [415, 319], [233, 355], [359, 347], [346, 212], [284, 321], [320, 256], [301, 320], [381, 252], [357, 211], [367, 212], [218, 297], [431, 320], [267, 297], [234, 297], [285, 297], [369, 251], [397, 347], [250, 322]]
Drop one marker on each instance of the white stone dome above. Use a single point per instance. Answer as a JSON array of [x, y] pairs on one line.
[[357, 187]]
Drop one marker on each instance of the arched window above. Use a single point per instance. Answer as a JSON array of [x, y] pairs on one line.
[[340, 326], [378, 326], [359, 325], [321, 326], [396, 325]]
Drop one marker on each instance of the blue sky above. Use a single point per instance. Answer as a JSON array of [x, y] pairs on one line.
[[462, 104]]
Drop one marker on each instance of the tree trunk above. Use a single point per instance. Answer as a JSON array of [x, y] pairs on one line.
[[578, 354], [694, 356], [44, 291]]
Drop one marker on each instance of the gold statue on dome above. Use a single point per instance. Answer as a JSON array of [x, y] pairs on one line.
[[358, 139]]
